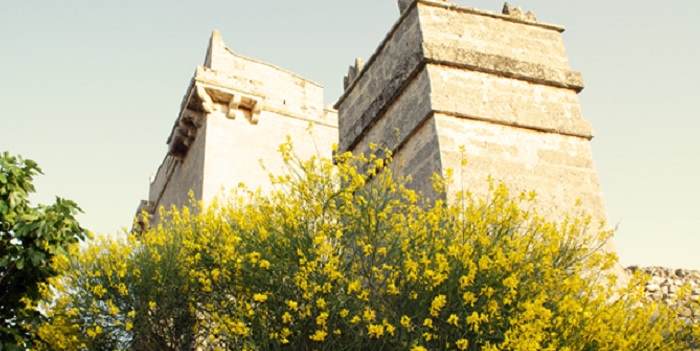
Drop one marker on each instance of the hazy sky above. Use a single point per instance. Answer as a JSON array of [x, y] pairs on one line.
[[91, 88]]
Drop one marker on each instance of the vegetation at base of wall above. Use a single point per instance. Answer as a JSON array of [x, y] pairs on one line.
[[342, 256], [31, 237]]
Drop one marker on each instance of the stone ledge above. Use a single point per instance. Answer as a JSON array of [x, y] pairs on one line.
[[503, 66], [390, 94], [513, 124]]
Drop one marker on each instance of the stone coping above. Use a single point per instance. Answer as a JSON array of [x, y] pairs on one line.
[[281, 69]]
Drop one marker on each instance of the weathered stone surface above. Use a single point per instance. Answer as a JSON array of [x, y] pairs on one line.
[[497, 85], [382, 79]]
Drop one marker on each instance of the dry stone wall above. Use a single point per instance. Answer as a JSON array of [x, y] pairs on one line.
[[665, 284]]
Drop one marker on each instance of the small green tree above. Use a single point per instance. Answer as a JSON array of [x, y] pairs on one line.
[[30, 237]]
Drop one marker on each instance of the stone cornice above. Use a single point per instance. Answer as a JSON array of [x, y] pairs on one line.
[[502, 66], [388, 97], [209, 92]]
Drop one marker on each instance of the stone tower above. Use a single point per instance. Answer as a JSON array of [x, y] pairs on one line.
[[233, 116], [498, 84]]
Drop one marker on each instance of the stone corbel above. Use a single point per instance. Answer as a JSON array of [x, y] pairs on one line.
[[191, 118], [234, 105], [207, 103], [240, 106]]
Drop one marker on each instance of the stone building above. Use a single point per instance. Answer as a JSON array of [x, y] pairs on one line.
[[445, 77], [447, 82]]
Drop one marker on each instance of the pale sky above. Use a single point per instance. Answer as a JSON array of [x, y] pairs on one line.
[[90, 89]]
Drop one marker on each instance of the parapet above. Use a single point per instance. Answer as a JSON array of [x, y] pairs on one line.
[[243, 87]]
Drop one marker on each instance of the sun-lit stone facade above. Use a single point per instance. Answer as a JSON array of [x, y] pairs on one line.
[[447, 83]]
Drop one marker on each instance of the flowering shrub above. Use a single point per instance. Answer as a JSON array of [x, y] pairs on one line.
[[341, 259]]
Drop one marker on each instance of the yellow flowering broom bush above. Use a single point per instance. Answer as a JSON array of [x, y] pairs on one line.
[[341, 256]]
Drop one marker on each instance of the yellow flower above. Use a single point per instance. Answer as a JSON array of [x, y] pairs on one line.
[[293, 305], [368, 314], [113, 310], [375, 330], [438, 303], [286, 318], [152, 305], [123, 291], [99, 290], [354, 286], [321, 319], [406, 321], [391, 289], [418, 348], [390, 329], [428, 323], [259, 297], [462, 344], [453, 320], [318, 336]]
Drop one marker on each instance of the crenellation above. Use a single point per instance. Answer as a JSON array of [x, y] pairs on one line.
[[518, 13], [381, 80], [353, 72]]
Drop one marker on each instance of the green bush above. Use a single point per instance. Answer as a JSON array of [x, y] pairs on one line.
[[341, 259]]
